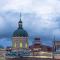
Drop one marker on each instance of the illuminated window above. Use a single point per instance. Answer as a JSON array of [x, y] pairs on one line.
[[20, 43], [15, 44], [26, 44]]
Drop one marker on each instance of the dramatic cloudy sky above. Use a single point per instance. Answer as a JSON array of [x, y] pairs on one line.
[[40, 18]]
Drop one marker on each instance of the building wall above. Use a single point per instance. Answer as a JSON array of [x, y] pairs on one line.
[[20, 42], [56, 56], [2, 53], [29, 58]]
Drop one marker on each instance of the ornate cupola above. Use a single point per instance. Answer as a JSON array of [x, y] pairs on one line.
[[20, 37], [20, 32], [20, 23]]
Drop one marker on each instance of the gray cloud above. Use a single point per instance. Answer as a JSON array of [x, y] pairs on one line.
[[41, 17]]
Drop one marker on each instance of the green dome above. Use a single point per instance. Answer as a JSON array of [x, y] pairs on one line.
[[20, 33]]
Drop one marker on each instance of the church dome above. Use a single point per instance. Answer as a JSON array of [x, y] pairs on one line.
[[20, 32]]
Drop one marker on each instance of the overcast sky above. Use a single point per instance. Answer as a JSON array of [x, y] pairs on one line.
[[40, 18]]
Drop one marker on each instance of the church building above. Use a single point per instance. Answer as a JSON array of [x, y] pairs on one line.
[[20, 37], [21, 47]]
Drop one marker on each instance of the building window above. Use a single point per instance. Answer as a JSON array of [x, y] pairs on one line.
[[15, 44], [26, 45], [20, 43]]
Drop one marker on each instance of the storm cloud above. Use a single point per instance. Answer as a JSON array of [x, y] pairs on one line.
[[40, 18]]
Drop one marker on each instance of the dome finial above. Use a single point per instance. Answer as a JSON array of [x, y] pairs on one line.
[[20, 22], [20, 16]]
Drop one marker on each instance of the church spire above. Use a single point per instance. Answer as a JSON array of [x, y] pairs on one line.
[[20, 19], [20, 23]]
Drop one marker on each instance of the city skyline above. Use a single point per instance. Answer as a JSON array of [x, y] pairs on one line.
[[40, 18]]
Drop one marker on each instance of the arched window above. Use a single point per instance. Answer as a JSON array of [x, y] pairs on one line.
[[26, 45], [21, 44], [14, 44]]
